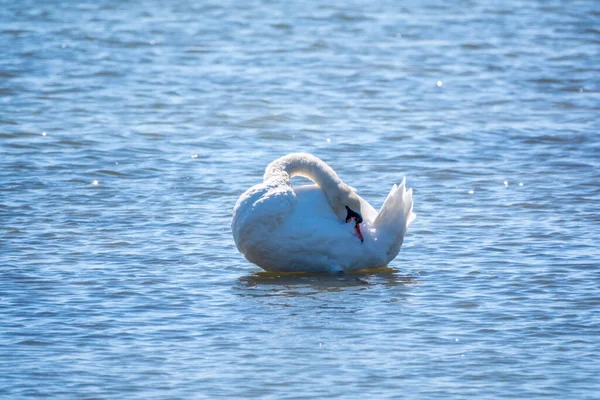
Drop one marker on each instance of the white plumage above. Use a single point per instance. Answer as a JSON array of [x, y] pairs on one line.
[[283, 228]]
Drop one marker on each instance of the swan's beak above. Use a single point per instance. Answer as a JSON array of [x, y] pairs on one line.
[[358, 232], [352, 215]]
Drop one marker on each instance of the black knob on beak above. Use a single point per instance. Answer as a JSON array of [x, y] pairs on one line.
[[352, 215]]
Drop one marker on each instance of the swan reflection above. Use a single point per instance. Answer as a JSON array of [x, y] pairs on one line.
[[304, 283]]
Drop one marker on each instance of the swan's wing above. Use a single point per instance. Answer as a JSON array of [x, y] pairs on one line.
[[394, 218], [260, 211]]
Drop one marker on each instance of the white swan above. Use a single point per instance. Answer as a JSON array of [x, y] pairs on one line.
[[281, 228]]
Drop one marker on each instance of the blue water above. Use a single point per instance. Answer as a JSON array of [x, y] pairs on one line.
[[129, 129]]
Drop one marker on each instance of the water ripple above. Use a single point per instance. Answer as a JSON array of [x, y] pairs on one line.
[[128, 133]]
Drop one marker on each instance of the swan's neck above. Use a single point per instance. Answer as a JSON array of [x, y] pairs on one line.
[[283, 169]]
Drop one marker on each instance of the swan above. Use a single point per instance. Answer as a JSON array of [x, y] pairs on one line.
[[306, 229]]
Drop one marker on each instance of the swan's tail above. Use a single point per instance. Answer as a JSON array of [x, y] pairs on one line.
[[395, 217]]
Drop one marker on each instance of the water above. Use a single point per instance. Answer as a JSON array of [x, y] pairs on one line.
[[128, 131]]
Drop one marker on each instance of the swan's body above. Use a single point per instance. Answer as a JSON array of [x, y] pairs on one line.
[[281, 228]]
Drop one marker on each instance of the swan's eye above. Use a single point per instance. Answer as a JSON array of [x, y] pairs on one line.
[[353, 215]]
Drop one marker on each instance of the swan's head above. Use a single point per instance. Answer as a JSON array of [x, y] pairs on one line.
[[348, 208]]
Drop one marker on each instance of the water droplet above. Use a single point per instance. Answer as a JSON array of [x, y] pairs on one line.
[[116, 162], [520, 183], [328, 140], [505, 183], [152, 42], [439, 83], [320, 344], [63, 45], [95, 182], [580, 90], [456, 340], [471, 191], [195, 156], [43, 133]]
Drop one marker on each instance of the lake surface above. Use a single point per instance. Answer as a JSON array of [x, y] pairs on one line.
[[128, 131]]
